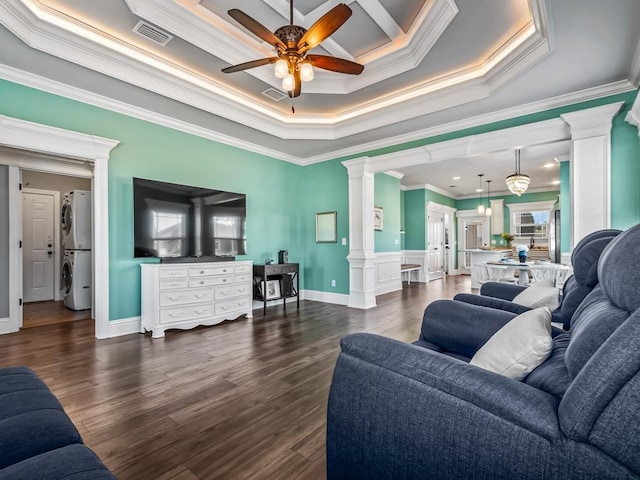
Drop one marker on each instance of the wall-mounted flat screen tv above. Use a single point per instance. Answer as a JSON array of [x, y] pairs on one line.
[[171, 220]]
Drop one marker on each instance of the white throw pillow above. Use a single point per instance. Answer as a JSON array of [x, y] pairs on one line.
[[519, 347], [536, 297]]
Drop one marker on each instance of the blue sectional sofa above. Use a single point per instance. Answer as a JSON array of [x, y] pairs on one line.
[[37, 438], [405, 411]]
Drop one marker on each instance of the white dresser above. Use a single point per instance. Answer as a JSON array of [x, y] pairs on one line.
[[185, 295]]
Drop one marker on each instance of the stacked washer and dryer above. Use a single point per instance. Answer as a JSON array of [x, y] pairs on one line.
[[76, 241]]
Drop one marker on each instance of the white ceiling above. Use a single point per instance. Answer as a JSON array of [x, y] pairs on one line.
[[431, 66]]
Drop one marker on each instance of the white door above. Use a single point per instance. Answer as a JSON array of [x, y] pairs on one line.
[[435, 244], [38, 234]]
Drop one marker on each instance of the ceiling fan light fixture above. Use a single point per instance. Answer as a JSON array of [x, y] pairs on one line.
[[306, 72], [288, 82], [518, 183], [282, 68]]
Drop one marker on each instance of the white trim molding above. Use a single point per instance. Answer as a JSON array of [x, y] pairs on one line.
[[546, 205], [633, 115], [388, 277], [325, 297], [95, 151]]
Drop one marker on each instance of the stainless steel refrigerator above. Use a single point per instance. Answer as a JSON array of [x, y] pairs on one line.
[[554, 237]]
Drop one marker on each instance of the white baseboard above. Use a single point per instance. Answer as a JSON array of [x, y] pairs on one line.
[[257, 304], [123, 326], [388, 287], [6, 326], [325, 297]]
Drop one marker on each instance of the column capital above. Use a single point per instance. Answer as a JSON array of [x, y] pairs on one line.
[[633, 117], [358, 167], [592, 122]]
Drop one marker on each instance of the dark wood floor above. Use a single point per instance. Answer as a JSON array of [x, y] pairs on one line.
[[50, 312], [241, 400]]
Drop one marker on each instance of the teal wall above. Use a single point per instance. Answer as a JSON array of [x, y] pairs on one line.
[[282, 198], [414, 219], [325, 188], [387, 196], [150, 151], [402, 220]]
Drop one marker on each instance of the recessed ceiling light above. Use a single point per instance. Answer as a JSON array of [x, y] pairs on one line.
[[478, 190], [549, 165], [452, 186], [555, 182], [456, 178]]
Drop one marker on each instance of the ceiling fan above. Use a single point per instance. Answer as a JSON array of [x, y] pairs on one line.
[[292, 42]]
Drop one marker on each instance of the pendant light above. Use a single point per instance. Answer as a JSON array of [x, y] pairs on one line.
[[518, 182], [481, 206], [488, 210]]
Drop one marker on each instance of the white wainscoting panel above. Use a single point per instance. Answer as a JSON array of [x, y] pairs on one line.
[[388, 272]]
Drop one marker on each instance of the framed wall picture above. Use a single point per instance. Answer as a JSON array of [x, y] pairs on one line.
[[326, 227], [378, 218], [273, 289]]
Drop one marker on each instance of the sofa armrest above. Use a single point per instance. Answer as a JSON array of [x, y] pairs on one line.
[[505, 291], [460, 327], [491, 302], [400, 411]]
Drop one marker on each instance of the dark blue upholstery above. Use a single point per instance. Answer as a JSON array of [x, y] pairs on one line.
[[584, 279], [407, 411], [33, 424]]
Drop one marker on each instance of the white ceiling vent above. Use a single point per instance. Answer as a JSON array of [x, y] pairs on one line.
[[152, 33], [274, 94]]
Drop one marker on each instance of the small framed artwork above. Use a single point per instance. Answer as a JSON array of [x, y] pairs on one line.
[[273, 289], [326, 227], [378, 218]]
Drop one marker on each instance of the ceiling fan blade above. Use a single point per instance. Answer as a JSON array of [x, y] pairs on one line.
[[256, 28], [251, 64], [324, 27], [298, 85], [335, 64]]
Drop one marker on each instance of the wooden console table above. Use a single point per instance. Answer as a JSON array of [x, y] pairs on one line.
[[287, 283]]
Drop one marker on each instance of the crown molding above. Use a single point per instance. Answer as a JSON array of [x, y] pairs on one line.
[[559, 101], [50, 86], [633, 116], [394, 174], [41, 29], [634, 75], [499, 193]]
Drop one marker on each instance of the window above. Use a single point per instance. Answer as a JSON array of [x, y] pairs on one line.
[[530, 224], [531, 220]]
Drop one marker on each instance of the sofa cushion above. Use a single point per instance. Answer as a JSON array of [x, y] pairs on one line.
[[518, 347], [39, 431], [552, 375], [539, 296], [73, 462]]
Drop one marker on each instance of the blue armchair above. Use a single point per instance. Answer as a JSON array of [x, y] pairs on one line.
[[401, 411], [584, 279]]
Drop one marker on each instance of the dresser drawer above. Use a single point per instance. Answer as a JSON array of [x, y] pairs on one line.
[[179, 297], [243, 278], [289, 269], [168, 283], [232, 305], [188, 312], [210, 270], [207, 281], [231, 291], [173, 272], [243, 269]]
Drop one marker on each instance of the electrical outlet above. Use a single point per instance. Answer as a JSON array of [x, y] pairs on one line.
[[397, 241], [344, 240], [333, 283]]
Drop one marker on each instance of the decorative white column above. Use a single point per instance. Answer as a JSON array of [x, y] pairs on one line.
[[362, 266], [590, 169]]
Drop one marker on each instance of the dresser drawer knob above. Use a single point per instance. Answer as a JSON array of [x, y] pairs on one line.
[[201, 282], [201, 272]]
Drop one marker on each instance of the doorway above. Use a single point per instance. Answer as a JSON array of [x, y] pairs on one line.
[[473, 233], [43, 256]]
